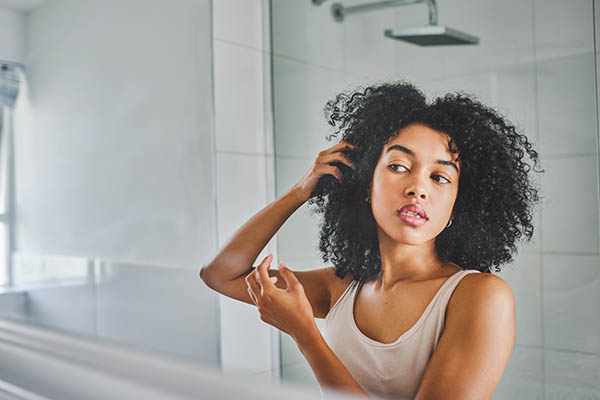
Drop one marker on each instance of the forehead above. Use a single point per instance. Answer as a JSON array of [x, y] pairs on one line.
[[426, 143]]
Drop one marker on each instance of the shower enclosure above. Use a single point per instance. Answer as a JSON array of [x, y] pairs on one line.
[[535, 61]]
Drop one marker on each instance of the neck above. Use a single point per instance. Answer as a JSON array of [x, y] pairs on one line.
[[409, 263]]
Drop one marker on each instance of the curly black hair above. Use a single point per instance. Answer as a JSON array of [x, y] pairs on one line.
[[495, 200]]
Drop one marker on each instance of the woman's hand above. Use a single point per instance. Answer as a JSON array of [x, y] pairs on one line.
[[306, 186], [287, 310]]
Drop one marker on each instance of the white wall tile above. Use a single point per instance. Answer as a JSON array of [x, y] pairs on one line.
[[514, 96], [12, 35], [245, 338], [300, 375], [571, 375], [523, 376], [242, 193], [523, 276], [308, 33], [481, 85], [571, 298], [366, 50], [245, 184], [298, 237], [567, 105], [570, 207], [239, 21], [239, 100], [597, 24], [563, 28], [300, 94]]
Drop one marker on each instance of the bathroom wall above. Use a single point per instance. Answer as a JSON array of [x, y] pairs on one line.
[[535, 63], [245, 167], [12, 35], [73, 263], [569, 275], [96, 87]]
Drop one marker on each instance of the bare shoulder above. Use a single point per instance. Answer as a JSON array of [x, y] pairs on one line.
[[477, 341], [479, 291]]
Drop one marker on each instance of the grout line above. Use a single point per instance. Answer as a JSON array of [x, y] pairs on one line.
[[270, 164], [215, 188], [238, 44], [243, 153], [597, 110]]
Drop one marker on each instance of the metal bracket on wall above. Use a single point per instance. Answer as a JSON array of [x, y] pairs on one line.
[[339, 11]]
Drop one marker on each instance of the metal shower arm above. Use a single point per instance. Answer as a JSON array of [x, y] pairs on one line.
[[339, 11]]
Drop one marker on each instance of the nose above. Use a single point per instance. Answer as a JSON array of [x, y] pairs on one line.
[[416, 190]]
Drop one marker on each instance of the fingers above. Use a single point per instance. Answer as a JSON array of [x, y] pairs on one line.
[[262, 276], [337, 157], [254, 288], [288, 276], [338, 147], [259, 280]]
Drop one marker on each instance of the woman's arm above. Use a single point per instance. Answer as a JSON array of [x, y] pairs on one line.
[[328, 369], [237, 255], [235, 259]]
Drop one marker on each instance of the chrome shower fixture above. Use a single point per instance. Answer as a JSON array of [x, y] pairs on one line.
[[431, 35], [10, 81]]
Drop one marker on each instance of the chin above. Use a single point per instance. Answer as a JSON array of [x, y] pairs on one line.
[[411, 237]]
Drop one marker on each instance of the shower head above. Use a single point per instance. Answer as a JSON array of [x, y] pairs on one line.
[[432, 35]]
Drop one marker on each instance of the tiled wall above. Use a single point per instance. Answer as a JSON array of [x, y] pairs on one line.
[[12, 39], [245, 166]]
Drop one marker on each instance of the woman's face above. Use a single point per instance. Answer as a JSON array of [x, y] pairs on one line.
[[415, 167]]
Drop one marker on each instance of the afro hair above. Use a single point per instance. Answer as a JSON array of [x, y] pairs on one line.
[[496, 196]]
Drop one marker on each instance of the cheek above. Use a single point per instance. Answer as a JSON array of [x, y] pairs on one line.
[[386, 186]]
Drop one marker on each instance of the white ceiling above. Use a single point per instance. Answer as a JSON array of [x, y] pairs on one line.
[[20, 5]]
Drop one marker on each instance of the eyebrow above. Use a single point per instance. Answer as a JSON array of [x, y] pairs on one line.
[[412, 153]]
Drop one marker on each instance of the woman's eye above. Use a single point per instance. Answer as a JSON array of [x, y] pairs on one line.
[[447, 181], [396, 165]]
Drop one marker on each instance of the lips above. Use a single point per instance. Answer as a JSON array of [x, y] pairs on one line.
[[417, 209]]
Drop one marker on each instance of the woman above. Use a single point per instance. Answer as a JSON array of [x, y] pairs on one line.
[[419, 202]]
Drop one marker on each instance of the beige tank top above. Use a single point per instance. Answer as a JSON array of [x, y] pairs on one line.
[[392, 369]]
